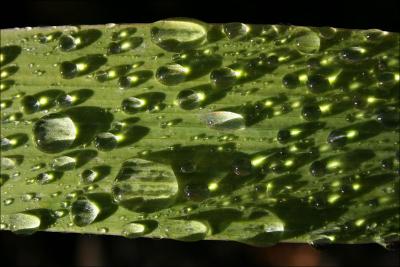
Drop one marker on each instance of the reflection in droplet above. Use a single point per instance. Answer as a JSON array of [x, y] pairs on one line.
[[224, 120]]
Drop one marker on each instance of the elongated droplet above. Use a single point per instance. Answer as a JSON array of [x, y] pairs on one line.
[[224, 120], [138, 228], [171, 74], [54, 133], [22, 222], [185, 230], [235, 30], [106, 141], [223, 78], [63, 163], [178, 34], [308, 42]]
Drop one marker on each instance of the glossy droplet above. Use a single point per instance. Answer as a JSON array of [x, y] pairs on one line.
[[5, 144], [134, 229], [124, 45], [30, 104], [22, 222], [352, 54], [84, 212], [67, 43], [184, 230], [7, 163], [223, 78], [47, 177], [68, 70], [307, 42], [171, 74], [178, 34], [8, 201], [64, 100], [290, 81], [283, 136], [311, 112], [144, 183], [54, 133], [235, 30], [106, 141], [190, 99], [89, 176], [337, 138], [224, 120], [63, 163], [133, 104], [188, 167], [318, 84], [318, 168]]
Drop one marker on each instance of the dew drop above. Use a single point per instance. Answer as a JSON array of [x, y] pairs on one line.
[[308, 42], [63, 163], [84, 212], [47, 177], [7, 163], [242, 167], [318, 168], [124, 45], [133, 104], [196, 191], [311, 112], [190, 99], [178, 34], [290, 81], [223, 78], [337, 138], [22, 222], [8, 201], [67, 43], [134, 229], [105, 141], [235, 30], [318, 84], [171, 74], [54, 133], [68, 70], [223, 120], [30, 104], [89, 176]]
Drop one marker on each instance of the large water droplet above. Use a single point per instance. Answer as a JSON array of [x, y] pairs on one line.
[[84, 212], [307, 42], [106, 141], [224, 120], [177, 34], [54, 133], [185, 230], [190, 99], [7, 163], [24, 223], [235, 30], [171, 74], [142, 184], [124, 45]]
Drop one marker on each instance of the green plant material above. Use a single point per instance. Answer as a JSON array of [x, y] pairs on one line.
[[185, 130]]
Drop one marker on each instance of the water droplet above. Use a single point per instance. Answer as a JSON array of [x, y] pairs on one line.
[[5, 104], [63, 163], [89, 176], [133, 104], [290, 81], [171, 74], [102, 230], [67, 43], [138, 228], [185, 230], [386, 79], [352, 54], [81, 66], [190, 99], [124, 45], [68, 70], [235, 30], [318, 168], [337, 138], [112, 73], [318, 84], [47, 177], [30, 104], [106, 141], [224, 120], [64, 100], [143, 102], [8, 163], [22, 222], [8, 201], [223, 78], [311, 112], [84, 212], [54, 133], [307, 42], [188, 167], [327, 32], [142, 184], [178, 34]]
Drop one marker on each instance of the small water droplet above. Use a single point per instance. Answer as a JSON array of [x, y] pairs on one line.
[[307, 42], [224, 120], [124, 45], [242, 167], [290, 81], [190, 99], [318, 168], [22, 222], [7, 163], [89, 176], [337, 138], [8, 201], [47, 177], [318, 84], [311, 112]]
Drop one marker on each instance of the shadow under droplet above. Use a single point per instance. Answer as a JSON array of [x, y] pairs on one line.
[[9, 53], [132, 135]]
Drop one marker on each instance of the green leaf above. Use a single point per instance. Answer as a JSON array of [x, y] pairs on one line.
[[187, 130]]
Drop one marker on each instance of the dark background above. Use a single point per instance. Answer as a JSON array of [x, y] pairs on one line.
[[55, 249]]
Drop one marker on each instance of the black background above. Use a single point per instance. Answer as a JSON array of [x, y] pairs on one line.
[[71, 249]]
